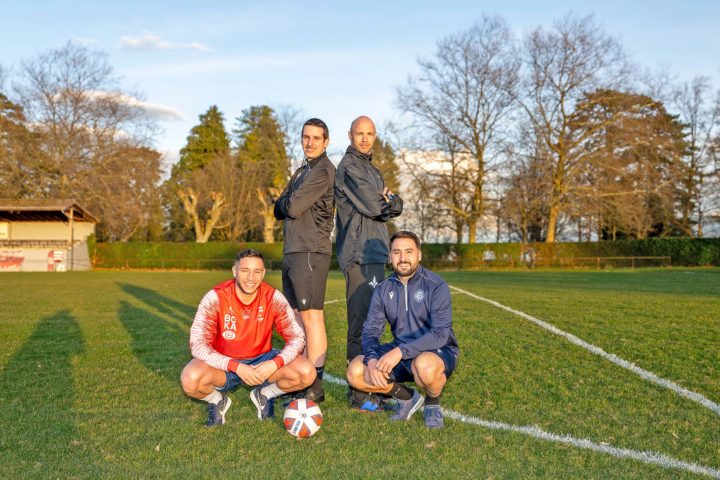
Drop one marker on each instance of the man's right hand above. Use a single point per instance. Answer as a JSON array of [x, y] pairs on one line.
[[376, 377]]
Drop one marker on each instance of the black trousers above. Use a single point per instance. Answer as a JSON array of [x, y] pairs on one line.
[[360, 282]]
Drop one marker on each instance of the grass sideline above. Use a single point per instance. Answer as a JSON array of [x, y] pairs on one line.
[[90, 363]]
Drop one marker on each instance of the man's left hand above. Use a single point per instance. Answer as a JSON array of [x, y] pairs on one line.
[[387, 362], [265, 369]]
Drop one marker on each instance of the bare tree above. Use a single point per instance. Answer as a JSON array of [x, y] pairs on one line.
[[699, 110], [560, 66], [84, 122], [463, 94]]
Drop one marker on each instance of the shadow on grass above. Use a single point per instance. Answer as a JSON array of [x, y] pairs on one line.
[[159, 345], [37, 403], [184, 313]]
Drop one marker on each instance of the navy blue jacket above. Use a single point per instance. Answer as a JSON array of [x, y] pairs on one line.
[[419, 314]]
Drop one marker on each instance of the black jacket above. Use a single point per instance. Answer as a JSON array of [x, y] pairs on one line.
[[362, 211], [307, 205]]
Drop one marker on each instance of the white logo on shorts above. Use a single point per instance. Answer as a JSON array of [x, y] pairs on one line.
[[304, 301], [392, 294], [419, 295], [374, 282]]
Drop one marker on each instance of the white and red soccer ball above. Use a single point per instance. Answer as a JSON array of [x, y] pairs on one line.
[[302, 418]]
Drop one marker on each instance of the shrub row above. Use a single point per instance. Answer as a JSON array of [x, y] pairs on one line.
[[220, 255]]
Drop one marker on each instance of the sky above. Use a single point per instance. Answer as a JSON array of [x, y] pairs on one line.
[[332, 60]]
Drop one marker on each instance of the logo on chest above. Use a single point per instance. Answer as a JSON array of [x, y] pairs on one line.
[[229, 325], [419, 296]]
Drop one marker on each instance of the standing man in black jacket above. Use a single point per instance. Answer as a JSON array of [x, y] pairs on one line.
[[364, 205], [307, 205]]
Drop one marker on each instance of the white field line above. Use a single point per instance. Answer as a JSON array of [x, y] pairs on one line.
[[333, 301], [611, 357], [649, 457]]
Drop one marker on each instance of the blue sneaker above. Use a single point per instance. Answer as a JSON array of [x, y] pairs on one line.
[[363, 401], [408, 407], [433, 416], [265, 406], [216, 412]]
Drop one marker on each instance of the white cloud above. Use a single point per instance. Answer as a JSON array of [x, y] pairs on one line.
[[154, 110], [150, 42]]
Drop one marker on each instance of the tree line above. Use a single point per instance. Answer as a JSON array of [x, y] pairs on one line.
[[557, 134], [552, 135]]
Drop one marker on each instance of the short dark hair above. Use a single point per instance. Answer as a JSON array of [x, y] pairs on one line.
[[316, 122], [248, 252], [406, 234]]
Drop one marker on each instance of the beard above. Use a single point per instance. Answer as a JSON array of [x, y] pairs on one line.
[[408, 271]]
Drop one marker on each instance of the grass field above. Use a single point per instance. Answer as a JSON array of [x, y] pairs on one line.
[[89, 386]]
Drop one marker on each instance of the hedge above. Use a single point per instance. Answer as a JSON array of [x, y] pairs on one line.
[[220, 255]]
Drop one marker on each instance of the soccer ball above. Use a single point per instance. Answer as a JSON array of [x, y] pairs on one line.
[[302, 418]]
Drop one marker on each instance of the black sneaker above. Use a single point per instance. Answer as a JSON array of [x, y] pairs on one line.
[[307, 394], [363, 401], [265, 406], [216, 412]]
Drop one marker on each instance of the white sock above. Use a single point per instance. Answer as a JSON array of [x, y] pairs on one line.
[[214, 397], [271, 391]]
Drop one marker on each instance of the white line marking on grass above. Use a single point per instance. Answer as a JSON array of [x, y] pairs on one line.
[[645, 374], [333, 301], [648, 457]]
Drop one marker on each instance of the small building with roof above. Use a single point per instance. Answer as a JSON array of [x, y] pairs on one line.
[[44, 235]]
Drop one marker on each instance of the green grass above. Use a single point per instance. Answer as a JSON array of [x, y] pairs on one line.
[[89, 386]]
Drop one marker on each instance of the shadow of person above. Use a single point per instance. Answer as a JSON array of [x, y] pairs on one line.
[[37, 403], [160, 345], [168, 306]]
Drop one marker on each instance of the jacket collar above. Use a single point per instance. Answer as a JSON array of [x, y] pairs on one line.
[[312, 162], [365, 156]]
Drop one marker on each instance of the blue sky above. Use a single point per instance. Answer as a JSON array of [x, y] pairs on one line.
[[333, 60]]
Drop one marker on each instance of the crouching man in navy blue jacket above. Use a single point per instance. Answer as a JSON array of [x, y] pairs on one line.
[[416, 304]]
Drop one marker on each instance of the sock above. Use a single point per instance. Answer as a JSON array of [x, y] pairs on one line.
[[317, 383], [430, 400], [271, 391], [214, 397], [400, 391]]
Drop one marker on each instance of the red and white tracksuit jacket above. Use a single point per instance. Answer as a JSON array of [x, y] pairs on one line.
[[225, 330]]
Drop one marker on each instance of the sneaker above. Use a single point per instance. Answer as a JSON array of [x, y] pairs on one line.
[[265, 406], [307, 394], [363, 401], [389, 404], [408, 407], [433, 416], [216, 412]]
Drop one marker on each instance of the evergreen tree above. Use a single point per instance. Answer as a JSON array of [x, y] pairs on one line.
[[206, 140], [384, 159], [193, 202], [261, 149]]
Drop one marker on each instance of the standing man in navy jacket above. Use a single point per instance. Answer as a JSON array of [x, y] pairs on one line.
[[364, 205], [306, 206], [416, 304]]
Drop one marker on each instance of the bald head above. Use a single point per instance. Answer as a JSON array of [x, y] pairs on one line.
[[362, 134]]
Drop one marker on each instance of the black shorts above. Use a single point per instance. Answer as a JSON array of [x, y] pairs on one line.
[[304, 276], [403, 370]]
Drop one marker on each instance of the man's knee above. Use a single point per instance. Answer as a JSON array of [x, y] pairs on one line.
[[355, 371], [190, 377], [429, 367], [306, 373]]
